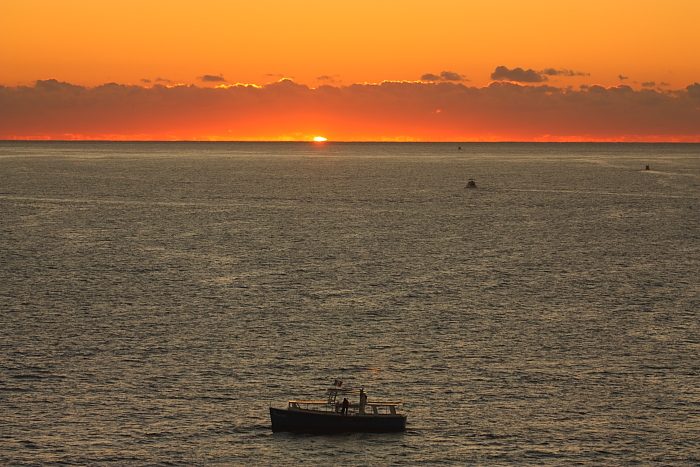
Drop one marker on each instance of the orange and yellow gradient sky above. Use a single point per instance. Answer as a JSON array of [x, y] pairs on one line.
[[457, 70]]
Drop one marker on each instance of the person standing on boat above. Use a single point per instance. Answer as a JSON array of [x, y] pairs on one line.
[[346, 404], [363, 401]]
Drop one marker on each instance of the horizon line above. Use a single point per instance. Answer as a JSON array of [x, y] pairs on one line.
[[322, 143]]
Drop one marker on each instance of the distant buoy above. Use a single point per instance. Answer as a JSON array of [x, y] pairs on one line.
[[647, 167]]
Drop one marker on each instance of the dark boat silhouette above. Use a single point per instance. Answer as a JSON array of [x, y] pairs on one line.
[[330, 415]]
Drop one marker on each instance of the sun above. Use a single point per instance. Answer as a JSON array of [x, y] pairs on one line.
[[320, 139]]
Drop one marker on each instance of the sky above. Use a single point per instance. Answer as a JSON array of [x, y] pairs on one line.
[[456, 70]]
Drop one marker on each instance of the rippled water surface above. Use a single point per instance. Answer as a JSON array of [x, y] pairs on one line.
[[156, 298]]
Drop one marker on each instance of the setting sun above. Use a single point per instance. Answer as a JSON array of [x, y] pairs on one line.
[[320, 139]]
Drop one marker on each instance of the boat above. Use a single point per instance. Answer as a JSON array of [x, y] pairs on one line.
[[337, 414], [471, 183]]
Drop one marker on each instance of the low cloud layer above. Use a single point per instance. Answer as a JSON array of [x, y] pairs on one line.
[[442, 111]]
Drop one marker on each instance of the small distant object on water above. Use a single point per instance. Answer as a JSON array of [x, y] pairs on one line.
[[647, 168], [459, 148], [471, 183], [330, 415]]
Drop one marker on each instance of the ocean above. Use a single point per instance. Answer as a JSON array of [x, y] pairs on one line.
[[157, 298]]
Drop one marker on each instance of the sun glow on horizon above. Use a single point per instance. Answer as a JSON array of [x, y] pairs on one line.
[[320, 139]]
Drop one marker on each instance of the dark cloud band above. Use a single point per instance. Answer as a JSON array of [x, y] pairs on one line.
[[427, 111]]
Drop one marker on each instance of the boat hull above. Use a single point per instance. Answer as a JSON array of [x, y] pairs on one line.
[[310, 421]]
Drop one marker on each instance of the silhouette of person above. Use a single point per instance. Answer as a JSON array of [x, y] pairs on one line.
[[346, 404]]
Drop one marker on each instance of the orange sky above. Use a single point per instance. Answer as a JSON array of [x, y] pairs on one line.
[[648, 48]]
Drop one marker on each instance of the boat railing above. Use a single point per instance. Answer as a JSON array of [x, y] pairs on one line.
[[310, 405], [380, 408], [370, 408]]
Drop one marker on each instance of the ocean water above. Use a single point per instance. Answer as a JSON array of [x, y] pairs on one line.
[[157, 298]]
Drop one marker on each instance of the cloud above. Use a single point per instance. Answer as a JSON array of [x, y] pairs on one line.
[[211, 78], [328, 78], [55, 86], [622, 78], [451, 76], [444, 76], [391, 110], [694, 90], [563, 72], [518, 74], [649, 84], [430, 77]]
